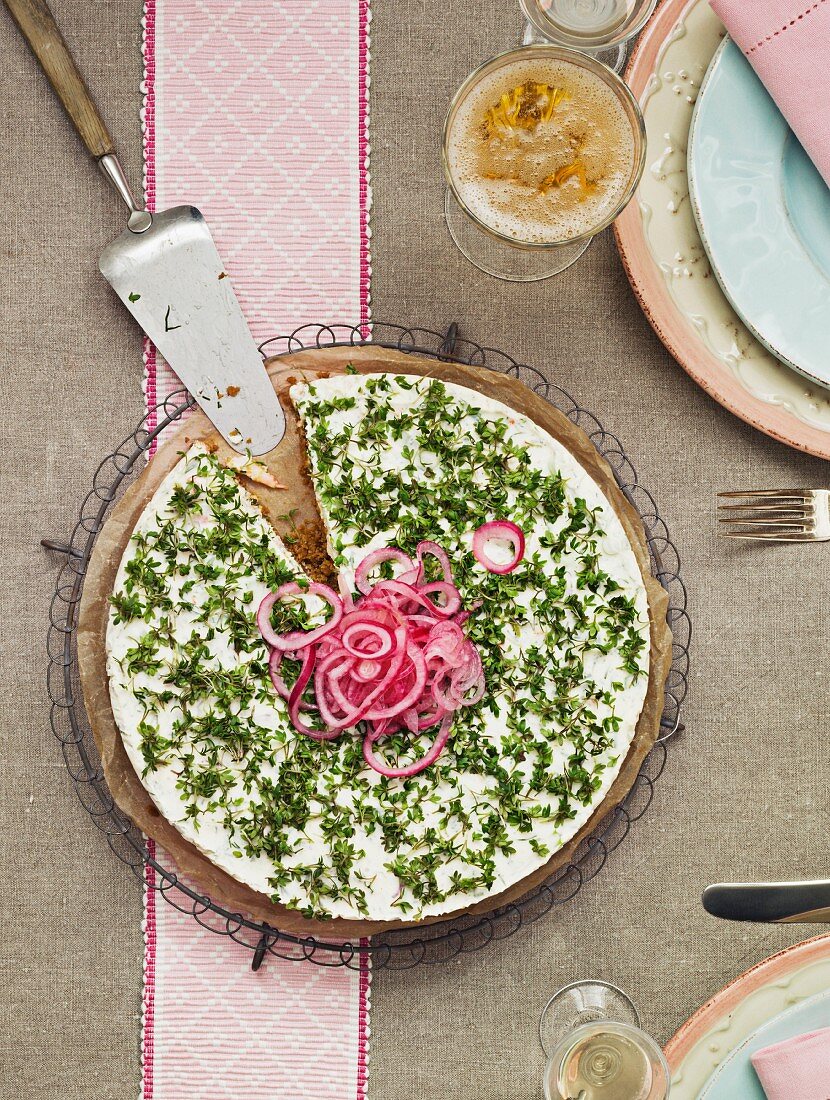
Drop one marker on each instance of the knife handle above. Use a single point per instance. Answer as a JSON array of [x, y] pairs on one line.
[[37, 25], [776, 902]]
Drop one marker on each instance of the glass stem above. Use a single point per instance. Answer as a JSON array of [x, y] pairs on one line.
[[615, 57], [532, 36]]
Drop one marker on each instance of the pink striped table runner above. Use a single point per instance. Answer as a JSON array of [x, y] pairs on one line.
[[257, 112]]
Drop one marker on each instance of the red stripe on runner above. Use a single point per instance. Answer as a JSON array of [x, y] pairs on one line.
[[149, 1000], [151, 394], [365, 314], [148, 118], [363, 155], [363, 1026]]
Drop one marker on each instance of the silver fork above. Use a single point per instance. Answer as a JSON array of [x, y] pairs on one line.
[[777, 515]]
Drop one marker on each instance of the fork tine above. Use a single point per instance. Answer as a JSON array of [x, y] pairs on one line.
[[753, 503], [799, 509], [771, 537], [772, 515], [798, 494], [778, 524]]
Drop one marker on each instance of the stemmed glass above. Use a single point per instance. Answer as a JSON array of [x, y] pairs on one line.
[[602, 28], [590, 1033], [495, 252]]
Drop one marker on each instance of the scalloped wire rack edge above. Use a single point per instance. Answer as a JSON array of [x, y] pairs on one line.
[[402, 949]]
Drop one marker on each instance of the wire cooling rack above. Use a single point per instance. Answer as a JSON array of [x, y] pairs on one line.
[[431, 943]]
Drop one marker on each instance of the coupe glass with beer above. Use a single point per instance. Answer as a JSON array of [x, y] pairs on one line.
[[595, 1049], [543, 147]]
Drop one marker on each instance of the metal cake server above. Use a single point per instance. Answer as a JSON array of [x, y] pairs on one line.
[[776, 902], [165, 269]]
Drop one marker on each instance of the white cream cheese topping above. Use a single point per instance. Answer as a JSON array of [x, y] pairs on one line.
[[564, 639]]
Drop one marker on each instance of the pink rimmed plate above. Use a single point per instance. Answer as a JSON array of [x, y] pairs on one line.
[[665, 259], [708, 1039]]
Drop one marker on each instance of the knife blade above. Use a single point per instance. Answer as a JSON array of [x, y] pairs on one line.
[[775, 902]]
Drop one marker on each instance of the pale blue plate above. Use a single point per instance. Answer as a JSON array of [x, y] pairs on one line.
[[735, 1079], [763, 212]]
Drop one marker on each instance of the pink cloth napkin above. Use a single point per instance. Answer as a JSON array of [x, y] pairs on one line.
[[257, 111], [787, 42], [797, 1069]]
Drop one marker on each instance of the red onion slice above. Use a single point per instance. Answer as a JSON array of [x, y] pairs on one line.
[[274, 662], [501, 530], [377, 557], [345, 593], [427, 547], [367, 628], [367, 671], [411, 696], [310, 731], [353, 715], [301, 683], [297, 639], [396, 659], [419, 765], [449, 591], [406, 593]]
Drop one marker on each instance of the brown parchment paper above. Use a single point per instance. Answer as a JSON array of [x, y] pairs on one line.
[[288, 463]]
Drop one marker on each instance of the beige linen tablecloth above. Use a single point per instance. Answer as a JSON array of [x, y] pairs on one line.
[[744, 794]]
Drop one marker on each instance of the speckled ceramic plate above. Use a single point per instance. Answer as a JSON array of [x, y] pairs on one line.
[[711, 1050], [763, 213], [667, 263]]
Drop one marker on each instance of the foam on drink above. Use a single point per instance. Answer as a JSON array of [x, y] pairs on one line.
[[541, 150]]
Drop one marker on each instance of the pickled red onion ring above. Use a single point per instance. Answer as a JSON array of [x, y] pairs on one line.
[[295, 696], [449, 591], [367, 671], [414, 693], [427, 547], [367, 628], [377, 557], [297, 639], [503, 530], [300, 684], [274, 662], [394, 659], [416, 766], [345, 593]]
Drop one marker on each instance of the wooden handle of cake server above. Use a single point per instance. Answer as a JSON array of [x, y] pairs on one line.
[[38, 27]]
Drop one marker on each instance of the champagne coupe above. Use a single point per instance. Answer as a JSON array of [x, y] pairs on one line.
[[507, 257], [590, 1033]]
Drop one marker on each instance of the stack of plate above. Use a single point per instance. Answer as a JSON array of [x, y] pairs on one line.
[[763, 213], [727, 248], [784, 996], [728, 243]]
